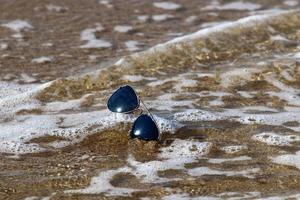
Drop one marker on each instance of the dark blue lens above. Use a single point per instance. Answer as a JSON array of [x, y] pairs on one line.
[[144, 128], [123, 100]]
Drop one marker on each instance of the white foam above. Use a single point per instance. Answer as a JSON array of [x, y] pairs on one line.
[[159, 82], [285, 197], [182, 81], [18, 25], [185, 82], [237, 75], [210, 24], [27, 78], [32, 198], [175, 156], [92, 41], [291, 2], [193, 115], [239, 5], [123, 28], [51, 125], [42, 60], [278, 38], [185, 150], [3, 46], [56, 8], [222, 160], [132, 45], [246, 94], [288, 159], [292, 98], [233, 148], [239, 195], [216, 102], [297, 55], [267, 11], [287, 74], [167, 5], [93, 57], [47, 44], [143, 18], [174, 34], [107, 3], [137, 78], [165, 102], [185, 196], [10, 89], [247, 109], [57, 106], [201, 171], [278, 118], [14, 102], [101, 184], [271, 138], [162, 17], [191, 19]]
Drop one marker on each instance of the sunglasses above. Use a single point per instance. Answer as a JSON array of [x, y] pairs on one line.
[[125, 100]]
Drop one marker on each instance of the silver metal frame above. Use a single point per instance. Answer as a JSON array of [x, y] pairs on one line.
[[159, 133]]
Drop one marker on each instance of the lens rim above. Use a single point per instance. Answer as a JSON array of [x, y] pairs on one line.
[[127, 112]]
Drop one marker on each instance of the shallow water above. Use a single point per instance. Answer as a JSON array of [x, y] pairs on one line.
[[226, 99]]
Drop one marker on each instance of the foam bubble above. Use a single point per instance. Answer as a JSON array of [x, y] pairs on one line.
[[92, 41], [162, 17], [210, 24], [191, 19], [101, 184], [107, 3], [278, 38], [237, 75], [277, 118], [185, 196], [239, 5], [167, 5], [3, 46], [123, 28], [291, 2], [56, 8], [200, 171], [222, 160], [132, 45], [175, 156], [233, 149], [288, 159], [271, 138], [165, 102], [42, 60], [197, 115], [18, 25], [143, 18], [137, 78]]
